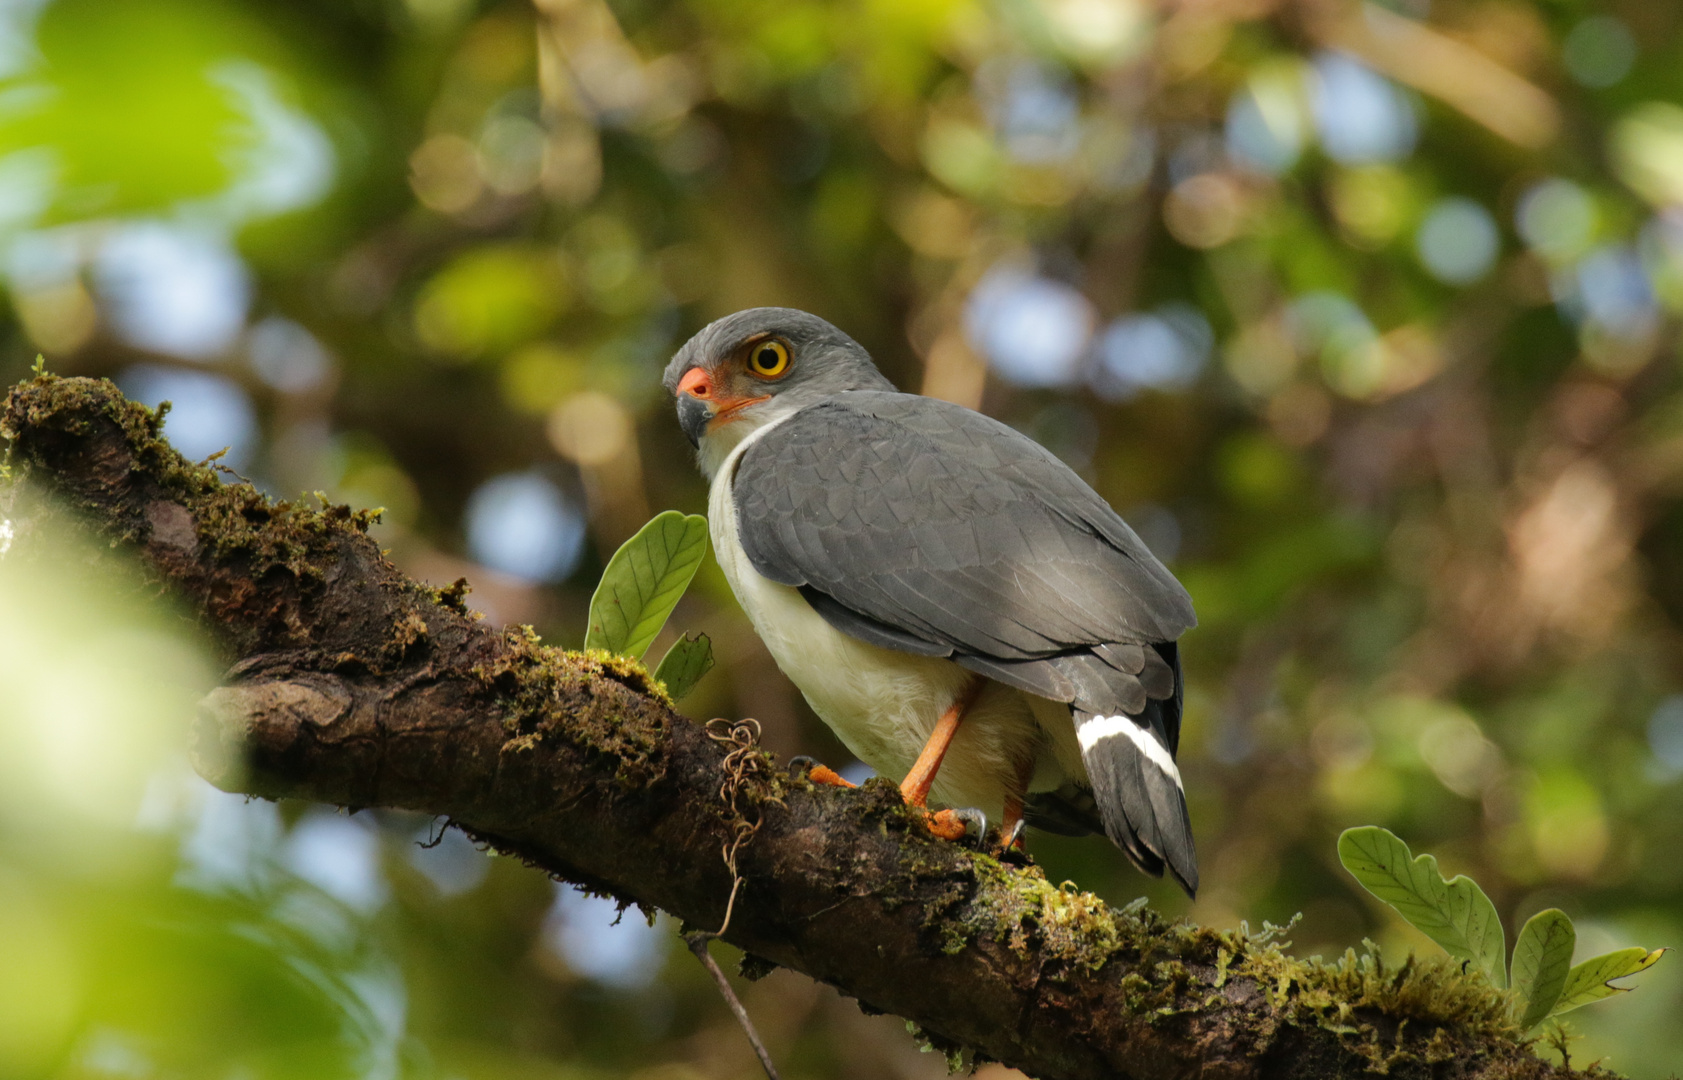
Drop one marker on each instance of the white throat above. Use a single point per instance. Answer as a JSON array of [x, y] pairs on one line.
[[720, 444]]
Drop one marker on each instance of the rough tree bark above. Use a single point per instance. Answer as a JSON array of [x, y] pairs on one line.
[[351, 684]]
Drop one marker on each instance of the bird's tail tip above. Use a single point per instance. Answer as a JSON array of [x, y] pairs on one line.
[[1138, 790]]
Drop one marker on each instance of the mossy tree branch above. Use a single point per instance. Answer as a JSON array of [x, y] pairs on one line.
[[353, 685]]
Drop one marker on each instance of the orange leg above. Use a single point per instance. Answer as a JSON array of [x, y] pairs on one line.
[[1014, 803], [915, 787], [1013, 814]]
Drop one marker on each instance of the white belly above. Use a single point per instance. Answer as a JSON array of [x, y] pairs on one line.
[[882, 704]]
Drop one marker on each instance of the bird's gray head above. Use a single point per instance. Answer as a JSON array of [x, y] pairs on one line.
[[746, 370]]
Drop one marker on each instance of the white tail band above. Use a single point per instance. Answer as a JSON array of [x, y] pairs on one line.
[[1100, 728]]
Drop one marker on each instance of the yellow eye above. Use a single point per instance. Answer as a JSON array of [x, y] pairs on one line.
[[768, 359]]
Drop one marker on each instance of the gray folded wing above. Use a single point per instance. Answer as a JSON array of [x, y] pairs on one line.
[[950, 525], [918, 525], [945, 532]]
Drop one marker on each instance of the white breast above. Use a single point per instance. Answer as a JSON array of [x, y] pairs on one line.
[[882, 704]]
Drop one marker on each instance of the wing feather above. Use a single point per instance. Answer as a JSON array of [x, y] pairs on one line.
[[938, 521]]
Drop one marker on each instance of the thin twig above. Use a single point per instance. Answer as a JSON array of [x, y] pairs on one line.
[[743, 736], [697, 942]]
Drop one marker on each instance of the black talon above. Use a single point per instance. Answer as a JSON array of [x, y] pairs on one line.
[[800, 765], [975, 826], [1007, 851]]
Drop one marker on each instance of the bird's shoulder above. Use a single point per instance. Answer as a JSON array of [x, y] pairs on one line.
[[918, 443], [923, 418]]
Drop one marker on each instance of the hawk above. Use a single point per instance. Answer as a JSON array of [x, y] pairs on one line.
[[951, 599]]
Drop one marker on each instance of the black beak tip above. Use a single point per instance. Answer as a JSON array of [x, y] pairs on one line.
[[693, 416]]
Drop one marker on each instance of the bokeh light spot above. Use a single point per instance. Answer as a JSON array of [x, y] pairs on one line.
[[1267, 122], [1205, 210], [522, 525], [1032, 329], [489, 299], [444, 174], [592, 937], [96, 692], [1459, 755], [591, 428], [287, 356], [174, 290], [1557, 218], [1163, 350], [511, 154], [1599, 51], [1361, 115], [1099, 33], [1032, 108], [339, 856], [207, 412], [1647, 151], [1665, 735], [535, 378], [1458, 241], [1372, 202], [1614, 291]]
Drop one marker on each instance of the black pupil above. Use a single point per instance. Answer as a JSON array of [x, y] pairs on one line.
[[767, 358]]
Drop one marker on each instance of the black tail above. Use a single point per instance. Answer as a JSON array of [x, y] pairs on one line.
[[1068, 811], [1137, 787]]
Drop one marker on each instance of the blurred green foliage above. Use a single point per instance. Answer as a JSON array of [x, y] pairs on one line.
[[1364, 314]]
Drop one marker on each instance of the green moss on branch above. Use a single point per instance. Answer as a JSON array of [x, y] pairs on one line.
[[354, 685]]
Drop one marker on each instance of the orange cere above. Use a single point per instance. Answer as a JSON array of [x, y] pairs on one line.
[[696, 383]]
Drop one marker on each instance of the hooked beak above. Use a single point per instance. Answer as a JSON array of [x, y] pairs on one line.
[[699, 404], [695, 393], [693, 417]]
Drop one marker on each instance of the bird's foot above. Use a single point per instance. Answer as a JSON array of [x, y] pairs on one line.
[[968, 826], [801, 765], [1010, 847]]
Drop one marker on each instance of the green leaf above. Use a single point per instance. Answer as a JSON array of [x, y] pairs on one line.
[[684, 664], [1542, 957], [644, 581], [1456, 914], [1592, 980]]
